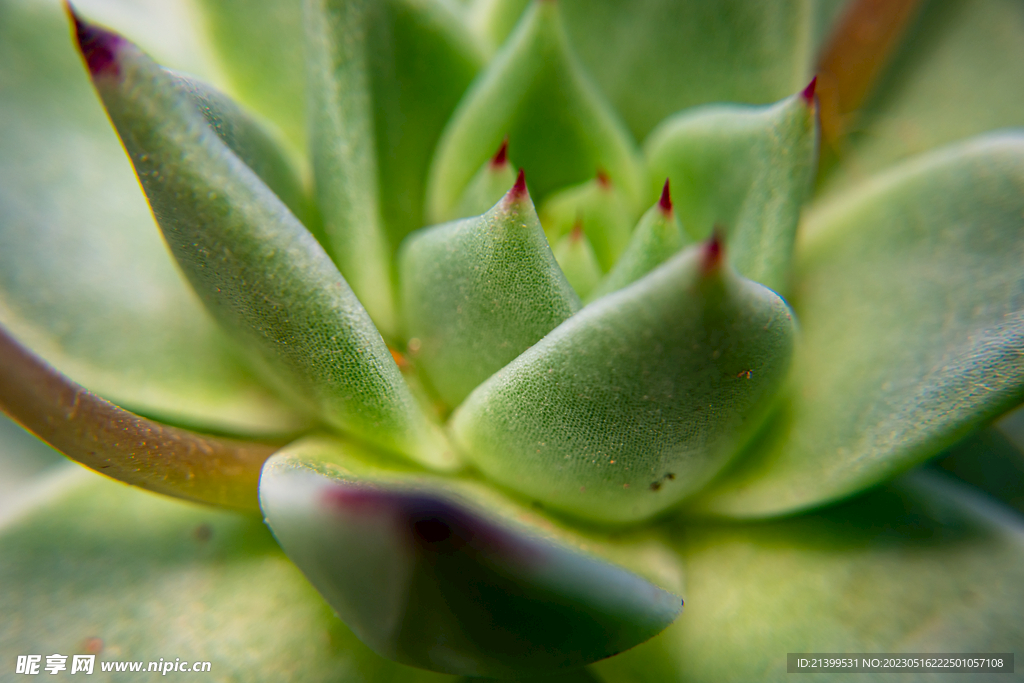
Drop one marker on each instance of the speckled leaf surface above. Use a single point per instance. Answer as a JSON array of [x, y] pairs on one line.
[[922, 565], [84, 276], [636, 401], [427, 573], [911, 303], [261, 274], [110, 570], [478, 292]]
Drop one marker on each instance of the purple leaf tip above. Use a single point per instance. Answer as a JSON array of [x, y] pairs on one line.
[[713, 251], [501, 156], [808, 92], [518, 190], [665, 203], [98, 46]]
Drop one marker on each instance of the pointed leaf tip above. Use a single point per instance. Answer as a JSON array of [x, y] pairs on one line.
[[603, 181], [98, 46], [808, 93], [500, 158], [713, 252], [665, 203], [518, 191]]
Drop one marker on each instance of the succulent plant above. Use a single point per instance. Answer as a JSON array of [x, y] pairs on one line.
[[522, 325]]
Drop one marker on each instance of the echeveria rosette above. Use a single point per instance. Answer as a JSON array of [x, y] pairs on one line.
[[494, 456]]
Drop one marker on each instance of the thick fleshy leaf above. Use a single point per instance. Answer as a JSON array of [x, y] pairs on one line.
[[656, 238], [478, 292], [104, 569], [656, 57], [957, 74], [748, 169], [253, 144], [269, 78], [258, 270], [85, 279], [926, 565], [439, 574], [559, 127], [600, 208], [385, 77], [910, 294], [577, 260], [640, 398]]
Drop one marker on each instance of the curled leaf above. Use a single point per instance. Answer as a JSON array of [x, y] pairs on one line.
[[426, 575]]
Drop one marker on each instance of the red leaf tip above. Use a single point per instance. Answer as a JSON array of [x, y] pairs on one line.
[[577, 231], [603, 180], [665, 203], [500, 158], [518, 190], [714, 251], [808, 93], [98, 46]]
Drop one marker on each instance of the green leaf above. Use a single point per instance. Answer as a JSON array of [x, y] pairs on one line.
[[958, 74], [270, 79], [252, 143], [559, 128], [748, 169], [84, 276], [600, 208], [578, 262], [257, 269], [925, 565], [102, 567], [439, 574], [656, 238], [385, 77], [653, 58], [636, 401], [910, 295], [478, 292]]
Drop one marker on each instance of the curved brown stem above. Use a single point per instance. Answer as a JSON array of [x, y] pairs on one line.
[[853, 57], [122, 445]]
